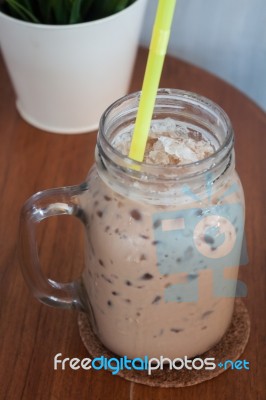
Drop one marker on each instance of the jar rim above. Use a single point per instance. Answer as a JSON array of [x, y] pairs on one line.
[[189, 98]]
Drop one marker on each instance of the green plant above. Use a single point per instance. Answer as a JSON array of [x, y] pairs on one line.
[[61, 12]]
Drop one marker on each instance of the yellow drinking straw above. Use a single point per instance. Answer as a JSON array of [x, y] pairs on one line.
[[157, 51]]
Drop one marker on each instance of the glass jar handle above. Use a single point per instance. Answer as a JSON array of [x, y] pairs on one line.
[[40, 206]]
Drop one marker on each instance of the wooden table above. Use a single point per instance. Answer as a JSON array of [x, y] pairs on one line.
[[31, 333]]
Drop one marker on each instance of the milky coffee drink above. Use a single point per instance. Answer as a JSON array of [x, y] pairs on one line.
[[164, 236]]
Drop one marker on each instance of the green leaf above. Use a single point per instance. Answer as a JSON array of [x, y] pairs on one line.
[[21, 11], [45, 11], [85, 8], [28, 5], [75, 15], [121, 5], [62, 11], [105, 8]]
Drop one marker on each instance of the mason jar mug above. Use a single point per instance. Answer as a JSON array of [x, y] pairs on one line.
[[163, 242]]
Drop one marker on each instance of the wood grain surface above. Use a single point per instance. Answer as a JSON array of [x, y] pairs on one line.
[[31, 334]]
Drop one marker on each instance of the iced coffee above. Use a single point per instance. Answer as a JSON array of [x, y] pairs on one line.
[[163, 238]]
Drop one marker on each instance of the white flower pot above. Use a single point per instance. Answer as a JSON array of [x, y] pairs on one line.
[[65, 76]]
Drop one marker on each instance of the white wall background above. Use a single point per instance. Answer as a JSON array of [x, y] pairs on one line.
[[225, 37]]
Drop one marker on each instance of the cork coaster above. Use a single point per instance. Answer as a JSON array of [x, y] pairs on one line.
[[230, 347]]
